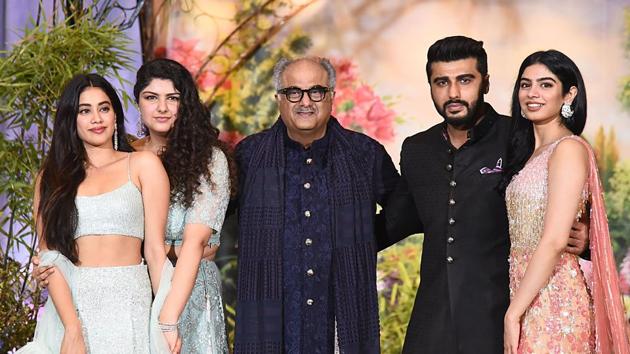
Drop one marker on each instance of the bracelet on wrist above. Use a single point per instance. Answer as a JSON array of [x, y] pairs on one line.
[[168, 327]]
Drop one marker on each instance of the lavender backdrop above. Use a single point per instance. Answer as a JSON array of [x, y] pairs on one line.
[[18, 15]]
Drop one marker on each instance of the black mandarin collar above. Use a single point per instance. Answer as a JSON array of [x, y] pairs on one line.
[[480, 129], [318, 148]]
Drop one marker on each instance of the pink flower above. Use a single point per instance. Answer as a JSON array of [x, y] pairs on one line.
[[357, 107], [346, 72], [380, 119], [184, 52], [230, 137], [624, 274], [208, 79], [160, 52]]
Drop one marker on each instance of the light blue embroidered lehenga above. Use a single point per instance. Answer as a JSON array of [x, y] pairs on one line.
[[202, 324], [113, 303]]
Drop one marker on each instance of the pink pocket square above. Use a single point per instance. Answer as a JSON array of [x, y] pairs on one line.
[[497, 169]]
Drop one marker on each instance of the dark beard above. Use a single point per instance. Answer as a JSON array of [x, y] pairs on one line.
[[467, 121]]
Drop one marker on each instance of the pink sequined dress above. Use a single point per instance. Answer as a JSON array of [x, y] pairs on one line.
[[561, 317]]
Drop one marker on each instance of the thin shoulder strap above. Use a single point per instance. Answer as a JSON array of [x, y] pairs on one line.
[[551, 148], [555, 144], [129, 167]]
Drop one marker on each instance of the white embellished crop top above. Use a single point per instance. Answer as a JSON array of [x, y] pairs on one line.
[[117, 212]]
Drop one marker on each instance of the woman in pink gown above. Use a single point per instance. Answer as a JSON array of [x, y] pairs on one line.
[[553, 178]]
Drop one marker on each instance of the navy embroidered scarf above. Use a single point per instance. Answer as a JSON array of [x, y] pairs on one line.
[[351, 159]]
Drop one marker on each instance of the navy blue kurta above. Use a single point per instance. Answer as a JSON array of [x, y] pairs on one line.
[[308, 304], [357, 175]]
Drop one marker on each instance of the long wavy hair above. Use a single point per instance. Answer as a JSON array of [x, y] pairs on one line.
[[191, 141], [63, 169], [522, 141]]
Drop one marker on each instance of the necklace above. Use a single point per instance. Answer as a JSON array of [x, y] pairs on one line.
[[153, 147]]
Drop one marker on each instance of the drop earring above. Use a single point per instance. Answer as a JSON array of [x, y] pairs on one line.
[[140, 128], [115, 136]]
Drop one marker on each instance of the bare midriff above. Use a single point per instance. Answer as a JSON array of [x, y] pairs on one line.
[[108, 251]]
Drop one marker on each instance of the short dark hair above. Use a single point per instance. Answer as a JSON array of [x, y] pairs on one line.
[[457, 48]]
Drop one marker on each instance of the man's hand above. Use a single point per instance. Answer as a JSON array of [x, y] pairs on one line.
[[209, 252], [41, 274], [578, 238]]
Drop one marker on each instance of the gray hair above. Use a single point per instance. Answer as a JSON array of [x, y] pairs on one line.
[[284, 63]]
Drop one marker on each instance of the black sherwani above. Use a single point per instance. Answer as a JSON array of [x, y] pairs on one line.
[[463, 292]]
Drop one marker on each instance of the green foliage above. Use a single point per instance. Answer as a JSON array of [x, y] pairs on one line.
[[228, 288], [32, 76], [615, 176], [248, 106], [599, 146], [618, 209], [34, 71], [607, 154], [17, 314], [398, 278], [18, 166], [611, 156], [624, 95]]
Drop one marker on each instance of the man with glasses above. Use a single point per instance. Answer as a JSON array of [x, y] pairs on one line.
[[307, 248]]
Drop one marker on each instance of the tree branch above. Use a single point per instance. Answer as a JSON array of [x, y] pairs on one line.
[[229, 36], [242, 59]]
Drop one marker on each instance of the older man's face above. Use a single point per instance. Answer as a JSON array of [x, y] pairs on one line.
[[305, 120]]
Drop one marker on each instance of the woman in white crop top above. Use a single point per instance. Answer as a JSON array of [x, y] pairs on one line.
[[95, 202]]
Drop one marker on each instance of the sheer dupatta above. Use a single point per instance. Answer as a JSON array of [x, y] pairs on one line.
[[610, 322], [156, 337], [49, 331]]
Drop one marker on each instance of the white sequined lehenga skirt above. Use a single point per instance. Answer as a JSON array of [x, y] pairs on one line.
[[114, 306]]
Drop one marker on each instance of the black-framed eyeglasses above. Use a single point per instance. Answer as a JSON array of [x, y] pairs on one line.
[[295, 94]]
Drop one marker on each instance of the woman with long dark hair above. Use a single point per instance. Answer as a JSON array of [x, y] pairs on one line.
[[553, 179], [181, 134], [95, 202]]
